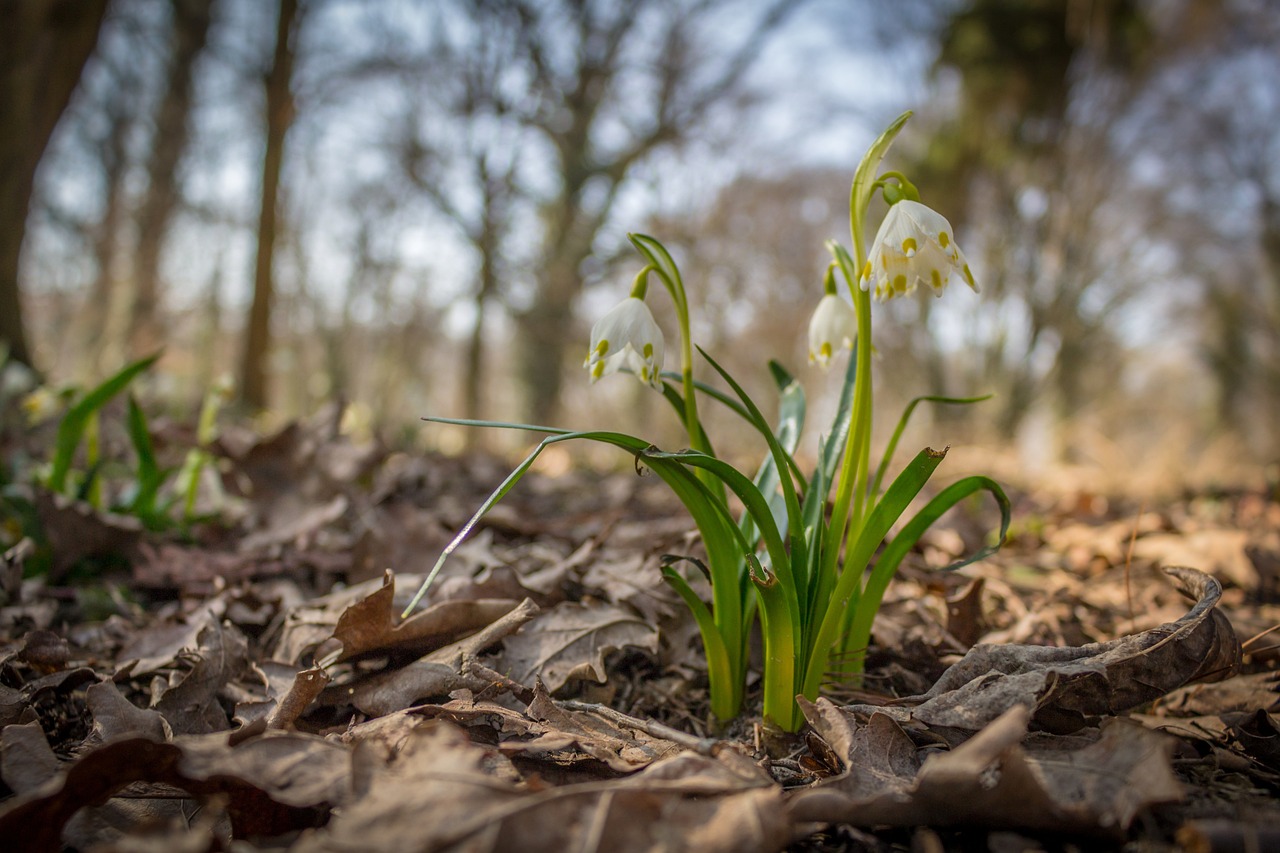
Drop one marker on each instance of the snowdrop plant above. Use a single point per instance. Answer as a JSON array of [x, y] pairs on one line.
[[811, 557]]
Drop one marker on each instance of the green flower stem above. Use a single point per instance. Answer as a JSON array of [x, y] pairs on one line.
[[661, 262], [850, 506]]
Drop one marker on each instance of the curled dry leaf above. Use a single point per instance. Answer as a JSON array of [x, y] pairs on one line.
[[462, 799], [571, 640], [445, 670], [373, 624], [991, 780], [1070, 687], [273, 784], [365, 619]]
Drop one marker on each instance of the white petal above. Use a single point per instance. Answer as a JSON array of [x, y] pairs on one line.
[[627, 337], [834, 325]]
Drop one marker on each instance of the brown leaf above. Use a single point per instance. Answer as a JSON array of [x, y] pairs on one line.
[[443, 671], [462, 800], [373, 624], [76, 531], [26, 761], [622, 749], [1068, 687], [990, 780], [190, 702], [273, 784], [115, 717], [306, 687], [1257, 735], [570, 641]]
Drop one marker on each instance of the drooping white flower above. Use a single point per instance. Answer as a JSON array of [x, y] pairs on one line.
[[627, 338], [833, 325], [915, 245]]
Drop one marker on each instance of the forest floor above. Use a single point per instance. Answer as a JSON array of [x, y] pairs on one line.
[[252, 686]]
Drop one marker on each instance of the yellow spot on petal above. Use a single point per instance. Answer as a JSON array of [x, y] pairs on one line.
[[944, 239], [597, 370], [900, 283], [937, 279], [602, 347], [909, 246], [968, 276], [866, 270], [825, 350], [648, 351]]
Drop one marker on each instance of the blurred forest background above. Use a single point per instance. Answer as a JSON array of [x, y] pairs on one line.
[[420, 207]]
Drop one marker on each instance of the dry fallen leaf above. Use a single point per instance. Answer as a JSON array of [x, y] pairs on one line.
[[1069, 687], [461, 797], [571, 640], [991, 780]]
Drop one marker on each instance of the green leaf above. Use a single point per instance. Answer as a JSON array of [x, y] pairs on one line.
[[150, 476], [791, 411], [902, 425], [747, 492], [724, 704], [721, 537], [781, 459], [846, 592], [887, 565], [74, 423]]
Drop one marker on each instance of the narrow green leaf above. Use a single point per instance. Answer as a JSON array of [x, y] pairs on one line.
[[846, 592], [781, 459], [902, 425], [725, 701], [149, 476], [887, 565], [77, 419]]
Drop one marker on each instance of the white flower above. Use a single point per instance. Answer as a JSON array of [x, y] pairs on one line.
[[627, 337], [915, 245], [833, 325]]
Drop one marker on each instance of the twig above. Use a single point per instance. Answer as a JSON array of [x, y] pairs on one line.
[[1128, 559], [701, 745], [1258, 636]]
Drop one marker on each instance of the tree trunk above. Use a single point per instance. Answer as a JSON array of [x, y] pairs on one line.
[[44, 45], [190, 31], [98, 324], [279, 109], [547, 337]]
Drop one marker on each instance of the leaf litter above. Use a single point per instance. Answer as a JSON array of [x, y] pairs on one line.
[[257, 688]]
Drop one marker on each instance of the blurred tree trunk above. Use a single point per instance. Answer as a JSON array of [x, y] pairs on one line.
[[279, 116], [688, 82], [190, 31], [100, 321], [491, 231], [44, 45]]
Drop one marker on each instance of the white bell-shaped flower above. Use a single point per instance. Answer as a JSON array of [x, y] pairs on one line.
[[627, 338], [834, 325], [915, 245]]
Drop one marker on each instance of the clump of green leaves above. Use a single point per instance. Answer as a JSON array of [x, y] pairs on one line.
[[811, 556], [160, 497]]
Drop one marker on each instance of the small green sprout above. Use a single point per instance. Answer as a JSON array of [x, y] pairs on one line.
[[810, 557]]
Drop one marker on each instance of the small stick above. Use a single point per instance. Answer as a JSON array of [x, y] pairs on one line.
[[701, 745], [1256, 637], [1128, 558]]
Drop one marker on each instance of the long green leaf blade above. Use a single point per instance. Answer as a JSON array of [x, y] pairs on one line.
[[887, 565], [76, 421]]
